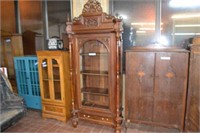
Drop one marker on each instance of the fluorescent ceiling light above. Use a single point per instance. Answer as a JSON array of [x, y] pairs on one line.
[[179, 16], [140, 31], [143, 23], [148, 29], [184, 34], [188, 25], [184, 3]]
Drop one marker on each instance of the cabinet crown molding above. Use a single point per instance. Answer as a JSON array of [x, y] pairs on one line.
[[92, 6]]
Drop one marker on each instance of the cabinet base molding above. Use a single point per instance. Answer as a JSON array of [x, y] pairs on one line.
[[60, 118], [102, 120], [56, 112], [127, 123], [97, 119]]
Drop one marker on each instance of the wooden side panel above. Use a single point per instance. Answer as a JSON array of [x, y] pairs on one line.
[[8, 16], [193, 105], [32, 42], [17, 45], [171, 72], [139, 85], [11, 46]]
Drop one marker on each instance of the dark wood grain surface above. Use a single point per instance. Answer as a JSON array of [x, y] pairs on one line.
[[193, 105], [156, 86]]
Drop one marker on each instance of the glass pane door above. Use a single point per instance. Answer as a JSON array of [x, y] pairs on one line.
[[22, 77], [45, 78], [94, 75], [56, 79]]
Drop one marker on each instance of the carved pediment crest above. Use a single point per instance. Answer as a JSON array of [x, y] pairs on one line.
[[92, 6]]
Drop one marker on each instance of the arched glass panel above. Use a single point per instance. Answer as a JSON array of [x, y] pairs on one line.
[[56, 80], [45, 78], [94, 60]]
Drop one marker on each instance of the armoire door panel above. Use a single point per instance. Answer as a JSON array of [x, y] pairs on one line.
[[139, 80], [192, 122], [170, 88]]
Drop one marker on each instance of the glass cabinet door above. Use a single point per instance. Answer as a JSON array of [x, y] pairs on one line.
[[94, 75], [56, 79], [45, 79]]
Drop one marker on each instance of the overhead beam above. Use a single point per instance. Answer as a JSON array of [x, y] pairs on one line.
[[17, 17], [45, 22]]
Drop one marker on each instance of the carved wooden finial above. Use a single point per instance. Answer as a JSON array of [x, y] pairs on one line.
[[92, 6]]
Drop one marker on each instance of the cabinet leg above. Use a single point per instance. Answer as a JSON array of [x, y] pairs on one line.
[[117, 129], [118, 125], [74, 122], [74, 119]]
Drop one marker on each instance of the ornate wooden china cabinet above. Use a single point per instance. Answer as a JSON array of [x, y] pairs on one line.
[[95, 50]]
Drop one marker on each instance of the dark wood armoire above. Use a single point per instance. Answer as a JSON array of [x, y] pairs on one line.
[[95, 53], [193, 104], [32, 42], [156, 86]]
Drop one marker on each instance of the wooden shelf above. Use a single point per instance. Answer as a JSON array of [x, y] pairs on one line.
[[94, 105], [95, 91], [50, 79], [93, 54], [55, 65], [90, 72], [46, 79], [56, 79]]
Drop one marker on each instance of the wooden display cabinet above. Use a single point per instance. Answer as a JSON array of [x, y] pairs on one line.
[[192, 123], [95, 51], [156, 86], [11, 45], [54, 77]]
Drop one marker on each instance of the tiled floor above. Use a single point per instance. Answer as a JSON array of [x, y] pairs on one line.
[[32, 122]]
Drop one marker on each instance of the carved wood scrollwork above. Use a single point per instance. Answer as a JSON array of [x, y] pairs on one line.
[[91, 22], [92, 6], [77, 19]]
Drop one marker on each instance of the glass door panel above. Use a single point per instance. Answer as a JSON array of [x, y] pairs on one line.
[[94, 75], [45, 79], [56, 79]]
